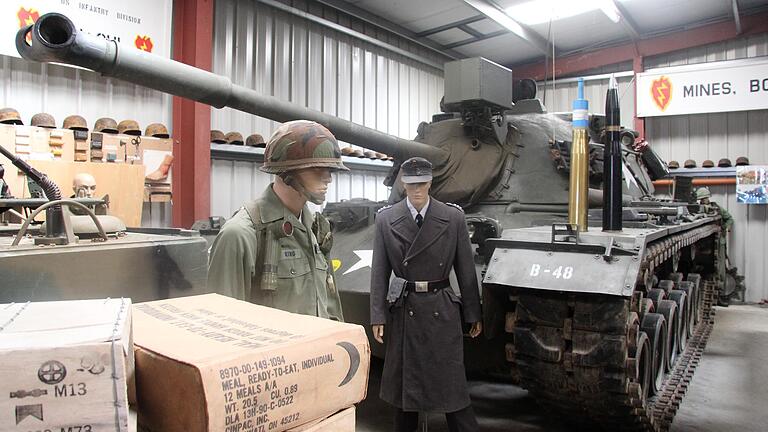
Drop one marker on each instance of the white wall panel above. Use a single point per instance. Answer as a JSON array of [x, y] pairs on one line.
[[317, 67], [32, 87], [561, 98], [246, 182], [291, 58]]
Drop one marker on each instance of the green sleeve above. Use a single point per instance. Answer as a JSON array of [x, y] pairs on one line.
[[233, 259], [727, 218]]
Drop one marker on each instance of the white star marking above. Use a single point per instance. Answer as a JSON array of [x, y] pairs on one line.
[[366, 258], [628, 177]]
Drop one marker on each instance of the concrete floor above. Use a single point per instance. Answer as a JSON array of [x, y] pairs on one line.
[[728, 393]]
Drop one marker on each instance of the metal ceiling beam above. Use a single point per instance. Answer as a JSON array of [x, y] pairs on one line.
[[704, 35], [500, 17], [470, 31], [736, 17], [370, 18], [449, 26], [348, 31], [629, 24], [474, 39]]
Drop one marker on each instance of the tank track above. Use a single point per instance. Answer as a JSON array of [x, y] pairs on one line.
[[584, 355]]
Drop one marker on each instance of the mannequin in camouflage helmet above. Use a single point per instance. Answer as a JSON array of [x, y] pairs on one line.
[[703, 195], [274, 251]]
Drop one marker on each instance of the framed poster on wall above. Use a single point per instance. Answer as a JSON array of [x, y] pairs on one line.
[[752, 184]]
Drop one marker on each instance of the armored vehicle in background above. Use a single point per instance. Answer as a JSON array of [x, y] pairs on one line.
[[606, 327]]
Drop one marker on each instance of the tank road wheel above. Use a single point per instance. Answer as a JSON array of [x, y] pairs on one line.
[[640, 362], [656, 295], [668, 308], [676, 256], [681, 299], [696, 279], [693, 305], [655, 327], [666, 285], [676, 278]]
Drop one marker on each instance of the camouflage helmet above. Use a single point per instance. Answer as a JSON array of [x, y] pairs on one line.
[[235, 138], [129, 127], [105, 125], [707, 164], [724, 163], [742, 160], [217, 137], [255, 140], [43, 120], [75, 122], [690, 163], [703, 192], [157, 130], [673, 164], [10, 116], [302, 144], [346, 151]]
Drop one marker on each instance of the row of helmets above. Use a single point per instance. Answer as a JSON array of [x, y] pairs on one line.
[[722, 163], [256, 140], [76, 122]]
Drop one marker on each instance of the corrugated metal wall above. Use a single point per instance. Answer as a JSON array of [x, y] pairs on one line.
[[32, 87], [235, 182], [561, 98], [700, 137], [719, 135], [289, 57]]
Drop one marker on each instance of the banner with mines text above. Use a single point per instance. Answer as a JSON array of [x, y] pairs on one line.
[[143, 24], [724, 86]]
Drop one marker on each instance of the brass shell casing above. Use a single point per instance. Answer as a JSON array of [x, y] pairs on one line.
[[578, 196]]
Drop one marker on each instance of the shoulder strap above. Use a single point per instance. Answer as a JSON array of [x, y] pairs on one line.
[[254, 213]]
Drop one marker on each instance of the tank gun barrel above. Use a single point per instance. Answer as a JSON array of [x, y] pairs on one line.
[[56, 39]]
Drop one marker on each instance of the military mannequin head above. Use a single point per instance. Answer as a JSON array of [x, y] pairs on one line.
[[703, 195], [84, 185], [417, 179], [299, 150]]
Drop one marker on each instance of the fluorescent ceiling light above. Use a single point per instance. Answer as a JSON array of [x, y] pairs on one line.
[[541, 11]]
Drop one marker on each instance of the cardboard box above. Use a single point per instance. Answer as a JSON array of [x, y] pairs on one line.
[[342, 421], [63, 365], [212, 363]]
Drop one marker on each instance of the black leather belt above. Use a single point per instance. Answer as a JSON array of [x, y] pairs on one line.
[[425, 286]]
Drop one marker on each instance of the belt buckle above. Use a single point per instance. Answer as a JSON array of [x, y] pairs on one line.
[[422, 286]]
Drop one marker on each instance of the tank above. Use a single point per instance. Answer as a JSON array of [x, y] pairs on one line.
[[604, 326]]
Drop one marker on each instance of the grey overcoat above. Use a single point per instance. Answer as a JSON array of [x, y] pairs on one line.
[[424, 364]]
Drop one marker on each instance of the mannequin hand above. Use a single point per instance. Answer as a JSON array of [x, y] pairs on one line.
[[378, 332], [477, 328]]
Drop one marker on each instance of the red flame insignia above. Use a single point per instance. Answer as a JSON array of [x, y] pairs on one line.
[[144, 43], [27, 17], [661, 92]]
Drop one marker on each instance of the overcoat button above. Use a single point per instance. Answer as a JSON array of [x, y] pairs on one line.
[[436, 314], [293, 272], [410, 313], [405, 263], [441, 264]]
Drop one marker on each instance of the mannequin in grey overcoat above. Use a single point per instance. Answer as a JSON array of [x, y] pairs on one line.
[[424, 366]]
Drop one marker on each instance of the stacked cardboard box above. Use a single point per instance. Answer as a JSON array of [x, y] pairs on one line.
[[63, 365], [211, 363], [342, 421]]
